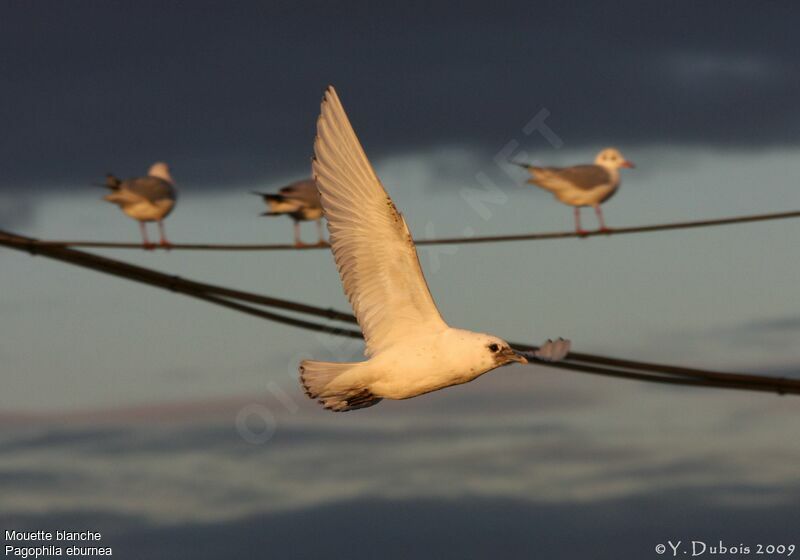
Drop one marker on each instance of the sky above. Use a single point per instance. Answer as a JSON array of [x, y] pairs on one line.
[[179, 428]]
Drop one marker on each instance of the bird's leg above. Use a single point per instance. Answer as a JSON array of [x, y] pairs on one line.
[[164, 241], [145, 242], [319, 233], [578, 229], [297, 241], [599, 212]]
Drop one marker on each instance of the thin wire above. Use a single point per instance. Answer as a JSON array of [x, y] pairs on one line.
[[779, 386], [587, 363], [276, 317], [438, 241], [159, 279], [185, 286]]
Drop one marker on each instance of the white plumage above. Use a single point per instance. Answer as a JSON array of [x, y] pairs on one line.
[[411, 349]]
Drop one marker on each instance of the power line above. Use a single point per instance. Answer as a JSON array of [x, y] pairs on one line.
[[232, 299], [159, 279], [438, 241]]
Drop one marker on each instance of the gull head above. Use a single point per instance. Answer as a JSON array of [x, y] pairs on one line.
[[493, 352], [160, 170], [612, 158]]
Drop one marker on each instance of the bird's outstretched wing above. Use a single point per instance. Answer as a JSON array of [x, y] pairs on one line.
[[370, 240]]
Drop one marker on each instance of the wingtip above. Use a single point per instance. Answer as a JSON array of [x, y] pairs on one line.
[[331, 97], [330, 91]]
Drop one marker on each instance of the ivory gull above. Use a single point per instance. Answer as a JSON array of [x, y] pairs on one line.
[[410, 349]]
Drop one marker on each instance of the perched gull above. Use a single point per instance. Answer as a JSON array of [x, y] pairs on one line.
[[146, 199], [300, 200], [410, 349], [582, 185]]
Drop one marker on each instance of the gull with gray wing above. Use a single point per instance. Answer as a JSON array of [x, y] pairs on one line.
[[298, 200], [582, 185], [145, 199]]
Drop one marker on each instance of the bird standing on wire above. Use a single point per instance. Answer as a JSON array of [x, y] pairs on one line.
[[582, 185], [410, 349], [300, 201], [146, 199]]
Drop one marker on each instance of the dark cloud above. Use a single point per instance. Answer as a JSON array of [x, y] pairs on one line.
[[33, 480], [777, 324], [231, 92], [464, 486], [763, 333], [129, 441], [470, 527], [57, 438]]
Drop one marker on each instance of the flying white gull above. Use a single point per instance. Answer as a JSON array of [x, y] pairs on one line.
[[582, 185], [146, 199], [300, 201], [410, 349]]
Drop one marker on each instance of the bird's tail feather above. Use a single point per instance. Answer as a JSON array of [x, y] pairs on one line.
[[529, 166], [323, 382], [269, 196], [537, 173], [112, 182], [278, 204]]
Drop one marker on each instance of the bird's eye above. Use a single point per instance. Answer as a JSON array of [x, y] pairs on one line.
[[494, 347]]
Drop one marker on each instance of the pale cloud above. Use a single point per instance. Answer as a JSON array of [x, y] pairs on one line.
[[567, 439], [721, 69]]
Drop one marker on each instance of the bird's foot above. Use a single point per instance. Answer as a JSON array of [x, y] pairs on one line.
[[581, 232], [605, 229], [300, 245], [323, 243], [147, 246]]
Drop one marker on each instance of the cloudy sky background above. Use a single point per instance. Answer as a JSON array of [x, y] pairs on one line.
[[179, 428]]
